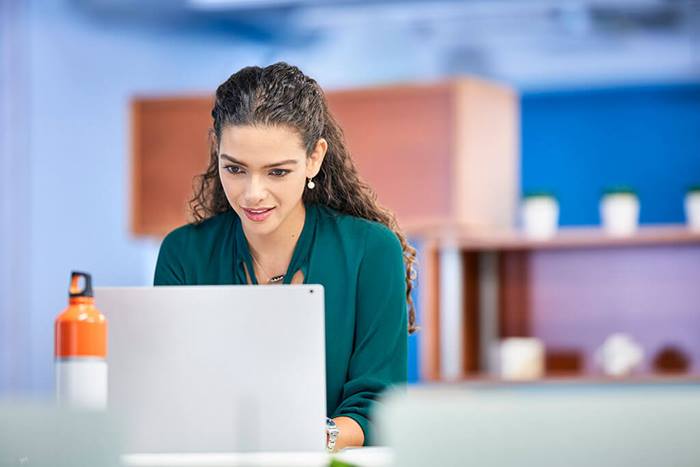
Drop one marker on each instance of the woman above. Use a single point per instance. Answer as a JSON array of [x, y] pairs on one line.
[[281, 202]]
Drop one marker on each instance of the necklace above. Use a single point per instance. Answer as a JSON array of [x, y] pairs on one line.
[[272, 279]]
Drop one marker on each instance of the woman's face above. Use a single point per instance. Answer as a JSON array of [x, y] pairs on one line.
[[263, 170]]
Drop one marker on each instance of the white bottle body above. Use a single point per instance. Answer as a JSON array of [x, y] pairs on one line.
[[81, 382]]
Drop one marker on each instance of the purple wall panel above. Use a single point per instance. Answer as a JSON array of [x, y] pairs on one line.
[[579, 297]]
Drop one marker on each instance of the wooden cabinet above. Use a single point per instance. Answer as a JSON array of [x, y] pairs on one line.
[[169, 148], [440, 152]]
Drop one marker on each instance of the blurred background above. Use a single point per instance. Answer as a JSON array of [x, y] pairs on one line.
[[606, 94]]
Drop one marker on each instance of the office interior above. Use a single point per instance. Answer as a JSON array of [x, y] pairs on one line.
[[505, 102]]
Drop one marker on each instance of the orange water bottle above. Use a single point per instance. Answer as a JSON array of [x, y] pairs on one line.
[[81, 349]]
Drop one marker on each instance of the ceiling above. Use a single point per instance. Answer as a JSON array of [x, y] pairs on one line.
[[531, 42]]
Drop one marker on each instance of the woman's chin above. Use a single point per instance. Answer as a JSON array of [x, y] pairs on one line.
[[265, 227]]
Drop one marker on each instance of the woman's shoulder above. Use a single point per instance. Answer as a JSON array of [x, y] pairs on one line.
[[188, 254], [371, 234], [196, 234]]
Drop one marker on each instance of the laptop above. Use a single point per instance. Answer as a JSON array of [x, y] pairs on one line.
[[544, 424], [197, 369]]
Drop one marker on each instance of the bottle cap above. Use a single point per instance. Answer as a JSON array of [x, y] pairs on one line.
[[75, 289]]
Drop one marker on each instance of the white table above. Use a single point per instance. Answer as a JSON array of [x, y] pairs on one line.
[[361, 457]]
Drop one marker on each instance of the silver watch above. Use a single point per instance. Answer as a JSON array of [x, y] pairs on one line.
[[332, 432]]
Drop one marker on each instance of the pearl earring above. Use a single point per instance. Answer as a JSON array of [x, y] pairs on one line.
[[311, 185]]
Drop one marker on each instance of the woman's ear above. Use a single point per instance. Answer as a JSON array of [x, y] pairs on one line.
[[315, 159]]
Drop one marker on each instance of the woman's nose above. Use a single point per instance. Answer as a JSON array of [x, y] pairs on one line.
[[255, 191]]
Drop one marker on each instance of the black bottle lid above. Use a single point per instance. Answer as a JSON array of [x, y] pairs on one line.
[[75, 290]]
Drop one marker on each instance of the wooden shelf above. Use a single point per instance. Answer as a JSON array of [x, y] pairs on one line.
[[488, 381], [471, 239], [509, 287]]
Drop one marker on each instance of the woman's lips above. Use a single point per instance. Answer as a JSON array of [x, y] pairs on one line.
[[257, 215]]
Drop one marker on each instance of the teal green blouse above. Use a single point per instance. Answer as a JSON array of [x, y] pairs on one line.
[[360, 265]]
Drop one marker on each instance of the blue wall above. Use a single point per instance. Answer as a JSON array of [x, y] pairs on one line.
[[577, 143]]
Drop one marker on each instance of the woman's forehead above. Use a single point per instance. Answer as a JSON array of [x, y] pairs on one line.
[[258, 143]]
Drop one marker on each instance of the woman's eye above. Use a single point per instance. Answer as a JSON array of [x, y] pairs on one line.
[[233, 169], [279, 172]]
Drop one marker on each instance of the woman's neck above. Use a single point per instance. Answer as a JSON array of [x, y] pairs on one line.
[[275, 250]]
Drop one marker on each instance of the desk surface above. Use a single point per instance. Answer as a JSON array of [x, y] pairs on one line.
[[361, 457]]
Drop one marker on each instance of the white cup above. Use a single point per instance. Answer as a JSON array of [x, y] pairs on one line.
[[540, 214], [620, 214], [692, 210], [521, 358], [619, 355]]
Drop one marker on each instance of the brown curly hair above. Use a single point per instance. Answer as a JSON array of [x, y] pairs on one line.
[[281, 94]]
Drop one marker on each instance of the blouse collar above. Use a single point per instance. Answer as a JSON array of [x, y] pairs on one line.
[[300, 257]]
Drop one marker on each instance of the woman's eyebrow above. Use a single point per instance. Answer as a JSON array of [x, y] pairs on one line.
[[288, 161], [267, 166], [232, 159]]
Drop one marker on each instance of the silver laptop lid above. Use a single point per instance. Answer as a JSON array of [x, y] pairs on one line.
[[217, 368]]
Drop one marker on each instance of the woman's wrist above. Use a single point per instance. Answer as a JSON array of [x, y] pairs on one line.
[[350, 433]]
